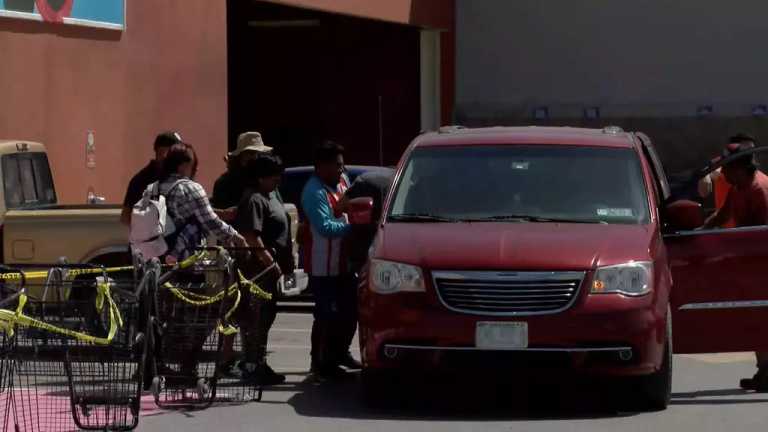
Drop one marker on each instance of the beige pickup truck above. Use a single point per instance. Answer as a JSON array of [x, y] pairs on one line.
[[36, 230]]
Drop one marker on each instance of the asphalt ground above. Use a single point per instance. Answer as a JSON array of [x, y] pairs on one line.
[[706, 398]]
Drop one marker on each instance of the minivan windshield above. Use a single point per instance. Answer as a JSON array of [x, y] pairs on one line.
[[521, 183]]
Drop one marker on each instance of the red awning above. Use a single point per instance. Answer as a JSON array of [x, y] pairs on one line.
[[436, 14]]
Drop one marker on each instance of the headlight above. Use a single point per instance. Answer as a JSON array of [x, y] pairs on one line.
[[390, 277], [632, 279]]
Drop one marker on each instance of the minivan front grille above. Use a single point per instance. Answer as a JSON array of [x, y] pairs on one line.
[[507, 293]]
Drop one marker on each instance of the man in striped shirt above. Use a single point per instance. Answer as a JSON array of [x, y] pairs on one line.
[[331, 283]]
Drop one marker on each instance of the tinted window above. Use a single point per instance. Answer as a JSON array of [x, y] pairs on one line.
[[580, 184], [27, 180]]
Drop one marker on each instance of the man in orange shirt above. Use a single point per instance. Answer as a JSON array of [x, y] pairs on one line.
[[716, 183], [746, 205]]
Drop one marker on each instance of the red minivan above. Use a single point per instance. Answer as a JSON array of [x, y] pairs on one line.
[[552, 247]]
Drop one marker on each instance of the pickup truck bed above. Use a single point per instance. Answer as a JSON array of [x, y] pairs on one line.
[[81, 233]]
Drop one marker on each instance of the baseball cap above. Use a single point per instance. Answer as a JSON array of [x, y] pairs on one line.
[[167, 139]]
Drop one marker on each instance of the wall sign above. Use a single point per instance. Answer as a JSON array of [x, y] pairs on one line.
[[109, 14]]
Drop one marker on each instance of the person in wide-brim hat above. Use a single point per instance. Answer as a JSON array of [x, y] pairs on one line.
[[230, 186], [250, 141]]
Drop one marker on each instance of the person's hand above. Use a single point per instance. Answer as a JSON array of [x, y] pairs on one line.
[[343, 205], [277, 270], [171, 260], [239, 241]]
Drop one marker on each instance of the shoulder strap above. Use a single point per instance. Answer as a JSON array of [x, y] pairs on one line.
[[174, 185], [154, 190]]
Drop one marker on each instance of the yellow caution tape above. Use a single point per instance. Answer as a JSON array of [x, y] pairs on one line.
[[205, 300], [42, 274], [10, 319]]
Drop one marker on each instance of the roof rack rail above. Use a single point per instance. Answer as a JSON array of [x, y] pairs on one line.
[[450, 129], [613, 130]]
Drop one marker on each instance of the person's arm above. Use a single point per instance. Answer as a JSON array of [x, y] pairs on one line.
[[261, 253], [320, 215], [206, 217], [721, 217], [129, 201], [227, 215], [705, 186]]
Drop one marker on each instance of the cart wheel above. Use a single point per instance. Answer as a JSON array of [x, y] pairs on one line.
[[84, 408], [203, 389], [157, 384]]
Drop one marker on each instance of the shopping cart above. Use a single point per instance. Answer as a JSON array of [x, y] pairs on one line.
[[78, 359], [192, 340], [6, 366]]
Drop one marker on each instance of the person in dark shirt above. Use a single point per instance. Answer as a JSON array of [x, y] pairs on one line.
[[148, 175], [229, 187], [263, 221], [375, 185]]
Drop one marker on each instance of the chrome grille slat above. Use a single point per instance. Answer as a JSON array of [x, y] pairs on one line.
[[510, 301], [512, 296], [502, 308], [473, 290], [509, 285], [507, 293]]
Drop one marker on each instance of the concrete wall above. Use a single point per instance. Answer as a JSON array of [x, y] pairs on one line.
[[650, 56], [647, 64], [167, 70]]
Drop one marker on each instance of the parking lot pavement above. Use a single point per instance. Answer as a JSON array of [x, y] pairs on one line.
[[706, 398]]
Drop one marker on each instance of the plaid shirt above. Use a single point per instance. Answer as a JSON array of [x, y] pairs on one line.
[[193, 216]]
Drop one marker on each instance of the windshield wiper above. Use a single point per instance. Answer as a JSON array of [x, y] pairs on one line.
[[529, 218], [420, 217]]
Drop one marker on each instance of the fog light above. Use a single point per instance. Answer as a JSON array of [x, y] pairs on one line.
[[625, 355], [390, 352]]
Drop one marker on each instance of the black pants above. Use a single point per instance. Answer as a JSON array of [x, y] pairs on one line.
[[335, 315], [255, 316]]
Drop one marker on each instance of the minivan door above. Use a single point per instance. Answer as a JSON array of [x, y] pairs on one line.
[[719, 296]]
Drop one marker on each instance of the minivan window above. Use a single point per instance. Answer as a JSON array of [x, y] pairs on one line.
[[27, 180], [525, 183]]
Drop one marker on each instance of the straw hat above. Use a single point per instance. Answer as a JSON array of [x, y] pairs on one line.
[[250, 141]]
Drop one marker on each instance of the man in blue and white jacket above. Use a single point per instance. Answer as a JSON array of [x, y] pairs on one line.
[[325, 260]]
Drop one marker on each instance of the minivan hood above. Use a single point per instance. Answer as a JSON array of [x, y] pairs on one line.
[[519, 246]]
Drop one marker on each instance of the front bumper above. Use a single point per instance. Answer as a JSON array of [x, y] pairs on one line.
[[601, 334]]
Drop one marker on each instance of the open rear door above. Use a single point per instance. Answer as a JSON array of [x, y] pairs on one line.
[[720, 285], [720, 290]]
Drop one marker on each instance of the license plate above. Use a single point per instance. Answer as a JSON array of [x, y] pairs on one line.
[[501, 335]]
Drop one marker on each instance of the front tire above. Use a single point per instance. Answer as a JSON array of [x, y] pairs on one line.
[[656, 389]]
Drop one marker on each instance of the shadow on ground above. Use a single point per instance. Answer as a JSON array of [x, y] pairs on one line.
[[718, 397], [458, 398]]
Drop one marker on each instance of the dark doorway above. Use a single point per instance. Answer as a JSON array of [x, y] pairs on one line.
[[301, 76]]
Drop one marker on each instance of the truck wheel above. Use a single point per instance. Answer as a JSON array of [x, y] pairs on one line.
[[655, 390], [378, 387]]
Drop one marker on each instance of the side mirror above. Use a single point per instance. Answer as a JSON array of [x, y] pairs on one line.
[[684, 215], [360, 211]]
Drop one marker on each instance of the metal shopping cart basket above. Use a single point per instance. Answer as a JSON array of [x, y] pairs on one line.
[[78, 354], [6, 364], [193, 342]]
